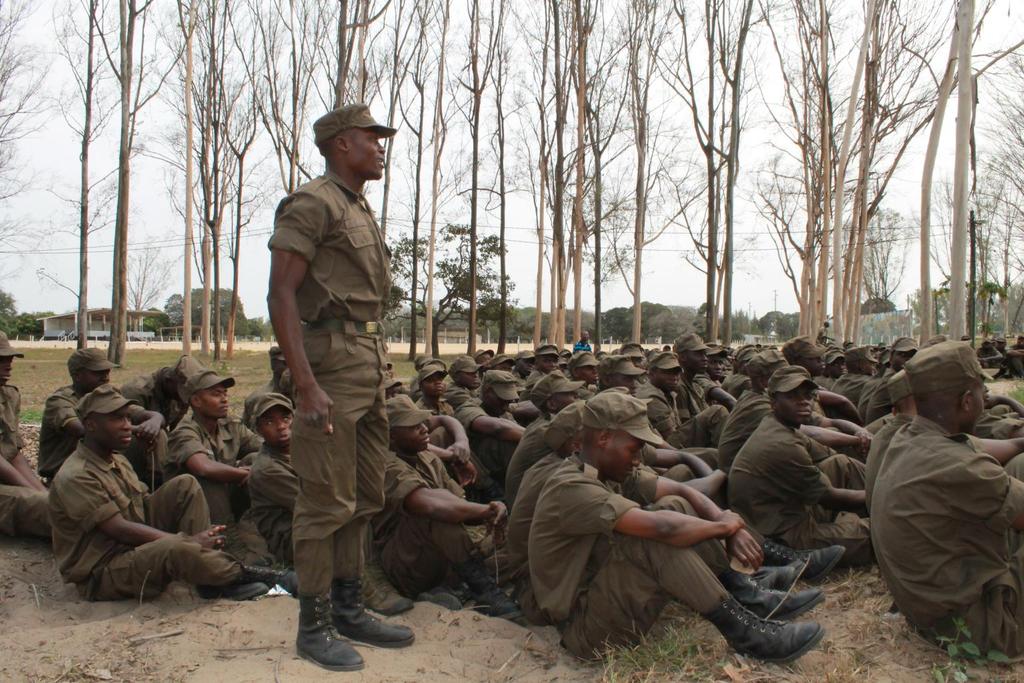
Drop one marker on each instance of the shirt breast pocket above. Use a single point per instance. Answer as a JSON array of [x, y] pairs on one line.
[[359, 236]]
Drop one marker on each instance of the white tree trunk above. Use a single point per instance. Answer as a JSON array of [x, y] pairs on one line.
[[961, 169]]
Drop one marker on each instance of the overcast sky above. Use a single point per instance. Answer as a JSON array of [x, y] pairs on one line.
[[48, 223]]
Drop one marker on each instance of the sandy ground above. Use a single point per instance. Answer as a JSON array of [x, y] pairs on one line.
[[50, 634]]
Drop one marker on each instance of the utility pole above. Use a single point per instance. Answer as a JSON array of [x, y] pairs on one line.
[[973, 292]]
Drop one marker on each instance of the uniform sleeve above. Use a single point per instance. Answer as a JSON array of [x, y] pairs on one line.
[[248, 441], [399, 481], [791, 468], [58, 411], [275, 483], [660, 416], [586, 507], [85, 501], [182, 444], [299, 225], [641, 486], [469, 412], [985, 491], [18, 441]]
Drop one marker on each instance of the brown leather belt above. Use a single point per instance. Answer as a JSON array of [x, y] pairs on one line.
[[347, 326]]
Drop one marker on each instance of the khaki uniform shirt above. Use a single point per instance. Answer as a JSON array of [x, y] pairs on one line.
[[334, 229], [942, 539], [692, 397], [876, 385], [879, 450], [86, 491], [852, 386], [232, 442], [825, 383], [149, 392], [774, 482], [661, 412], [521, 508], [574, 511], [273, 487], [456, 395], [736, 384], [530, 449], [534, 377], [10, 417], [55, 444], [744, 419], [402, 476]]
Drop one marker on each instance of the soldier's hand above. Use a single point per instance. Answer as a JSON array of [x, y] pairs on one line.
[[148, 430], [313, 406], [498, 521], [466, 472], [460, 450], [733, 521], [744, 548], [864, 440], [212, 538], [248, 472]]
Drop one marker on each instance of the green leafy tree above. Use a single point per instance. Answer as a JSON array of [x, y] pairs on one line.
[[8, 311], [173, 309]]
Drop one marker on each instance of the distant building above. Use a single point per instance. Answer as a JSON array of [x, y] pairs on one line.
[[97, 322]]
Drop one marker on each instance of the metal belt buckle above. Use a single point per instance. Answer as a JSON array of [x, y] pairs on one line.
[[371, 328]]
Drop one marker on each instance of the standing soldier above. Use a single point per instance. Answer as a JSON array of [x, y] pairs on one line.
[[329, 280]]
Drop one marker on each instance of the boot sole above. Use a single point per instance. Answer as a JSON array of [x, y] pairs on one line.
[[804, 649], [787, 615], [824, 572], [330, 667], [394, 611], [391, 644]]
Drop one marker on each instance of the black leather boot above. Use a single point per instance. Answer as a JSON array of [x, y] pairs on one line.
[[777, 578], [272, 577], [819, 562], [240, 590], [764, 602], [768, 640], [352, 621], [317, 640], [491, 599]]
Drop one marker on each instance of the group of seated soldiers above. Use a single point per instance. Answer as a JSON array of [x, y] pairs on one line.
[[579, 490]]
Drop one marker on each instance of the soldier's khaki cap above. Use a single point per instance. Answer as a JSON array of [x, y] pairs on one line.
[[275, 352], [499, 359], [664, 360], [745, 354], [999, 340], [104, 399], [546, 350], [431, 369], [564, 425], [555, 383], [766, 362], [899, 386], [582, 359], [860, 354], [483, 354], [393, 382], [89, 359], [423, 360], [202, 380], [269, 400], [938, 339], [341, 119], [6, 350], [632, 352], [502, 383], [832, 355], [617, 365], [788, 379], [526, 354], [948, 366], [689, 342], [618, 411], [402, 412], [717, 350], [904, 345], [802, 347], [463, 364]]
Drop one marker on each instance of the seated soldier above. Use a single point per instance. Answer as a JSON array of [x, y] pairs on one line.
[[718, 363], [545, 361], [493, 433], [946, 511], [393, 387], [418, 364], [602, 567], [835, 367], [550, 394], [988, 356], [563, 361], [523, 367], [465, 385], [23, 509], [583, 368], [115, 540], [738, 382], [61, 429], [273, 483], [860, 372], [778, 487], [874, 402], [502, 361], [803, 352], [483, 356], [159, 392], [213, 447], [700, 422], [280, 383], [755, 406], [432, 389], [419, 534], [1003, 418]]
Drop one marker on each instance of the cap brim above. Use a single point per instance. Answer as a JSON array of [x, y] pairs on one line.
[[506, 392], [382, 131], [10, 353], [120, 403], [632, 370], [100, 366], [569, 387], [410, 418], [793, 384], [273, 404], [645, 434]]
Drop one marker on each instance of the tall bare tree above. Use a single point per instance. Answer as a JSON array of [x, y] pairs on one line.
[[400, 59], [187, 23], [502, 64], [149, 276], [961, 188], [133, 67]]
